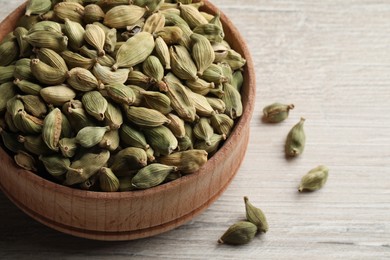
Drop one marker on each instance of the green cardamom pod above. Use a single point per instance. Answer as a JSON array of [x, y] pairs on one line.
[[315, 179], [212, 145], [162, 52], [34, 144], [139, 79], [127, 160], [187, 161], [93, 13], [110, 140], [68, 147], [71, 10], [14, 106], [237, 80], [200, 86], [91, 135], [74, 60], [47, 74], [25, 161], [50, 26], [133, 137], [211, 31], [176, 125], [105, 60], [84, 168], [9, 52], [146, 117], [22, 70], [120, 93], [27, 123], [232, 100], [96, 37], [123, 15], [202, 52], [47, 39], [106, 76], [153, 68], [52, 58], [154, 23], [191, 15], [75, 32], [57, 95], [37, 7], [95, 104], [221, 123], [151, 175], [217, 104], [24, 47], [7, 73], [10, 141], [170, 34], [215, 74], [78, 118], [27, 87], [161, 139], [235, 60], [107, 180], [296, 138], [255, 216], [56, 165], [83, 80], [276, 112], [33, 105], [157, 101], [113, 116], [239, 233], [7, 91], [202, 106], [182, 64], [203, 130], [126, 57], [27, 21], [185, 144], [51, 131]]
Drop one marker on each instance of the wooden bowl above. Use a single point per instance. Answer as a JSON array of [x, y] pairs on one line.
[[135, 214]]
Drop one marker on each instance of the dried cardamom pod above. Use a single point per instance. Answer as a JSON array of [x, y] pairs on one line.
[[51, 131], [88, 165], [139, 79], [22, 70], [47, 39], [153, 68], [203, 130], [315, 179], [50, 26], [105, 60], [74, 60], [151, 175], [211, 31], [75, 32], [202, 52], [235, 60], [200, 86], [277, 112], [24, 46], [106, 76], [93, 13], [27, 21], [217, 104], [127, 160], [9, 123], [182, 64], [110, 140], [154, 23], [27, 87], [37, 7], [201, 104], [255, 216], [56, 165], [176, 125], [71, 10], [33, 105], [215, 74], [187, 161], [191, 15], [91, 135], [7, 91], [52, 58], [185, 144], [162, 52], [239, 233], [57, 95], [133, 137], [220, 52], [34, 144], [47, 74], [10, 141], [180, 100], [172, 17], [111, 37], [150, 5], [296, 138], [27, 123], [83, 80], [14, 106], [120, 93], [9, 52], [170, 34], [237, 80], [157, 101], [123, 15], [107, 180], [68, 147], [212, 145], [25, 161], [96, 37], [232, 100], [221, 123], [126, 57], [161, 139], [146, 117], [7, 73], [113, 116], [95, 104]]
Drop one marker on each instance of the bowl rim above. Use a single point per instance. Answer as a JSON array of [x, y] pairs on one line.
[[245, 118]]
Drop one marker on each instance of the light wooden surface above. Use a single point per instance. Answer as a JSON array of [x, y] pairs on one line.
[[332, 60]]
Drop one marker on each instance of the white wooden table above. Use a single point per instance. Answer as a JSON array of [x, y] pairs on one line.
[[332, 60]]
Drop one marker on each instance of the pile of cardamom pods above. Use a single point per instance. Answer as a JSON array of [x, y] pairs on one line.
[[117, 95]]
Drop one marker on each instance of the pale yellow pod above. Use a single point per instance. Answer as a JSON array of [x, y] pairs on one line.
[[154, 23], [57, 95], [123, 15], [96, 37]]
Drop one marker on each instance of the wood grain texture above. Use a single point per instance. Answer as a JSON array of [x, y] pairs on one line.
[[331, 59]]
